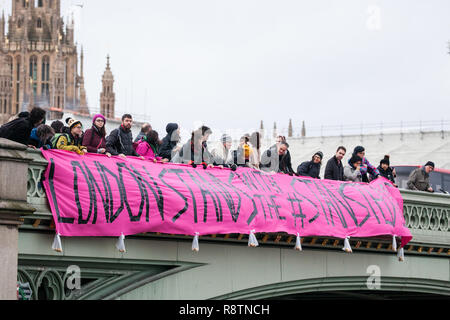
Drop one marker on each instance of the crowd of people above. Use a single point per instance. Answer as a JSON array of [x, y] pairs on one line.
[[29, 128]]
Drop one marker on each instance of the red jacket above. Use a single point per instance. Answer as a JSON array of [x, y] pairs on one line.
[[93, 140]]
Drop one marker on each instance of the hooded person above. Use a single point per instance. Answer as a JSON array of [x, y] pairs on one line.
[[386, 171], [71, 141], [94, 139], [311, 168], [168, 146], [195, 150], [19, 130]]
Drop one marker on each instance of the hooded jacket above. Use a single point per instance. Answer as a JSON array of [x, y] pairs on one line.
[[120, 141], [167, 145], [309, 169]]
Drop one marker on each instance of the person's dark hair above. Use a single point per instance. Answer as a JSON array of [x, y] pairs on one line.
[[153, 137], [341, 148], [255, 140], [146, 127], [44, 132], [385, 160], [57, 126], [102, 130], [283, 138], [354, 159], [205, 130], [284, 143], [127, 116], [24, 114], [37, 115]]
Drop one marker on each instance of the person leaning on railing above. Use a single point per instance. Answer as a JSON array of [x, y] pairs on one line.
[[419, 179], [70, 141]]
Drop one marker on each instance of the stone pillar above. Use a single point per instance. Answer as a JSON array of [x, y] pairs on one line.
[[14, 162]]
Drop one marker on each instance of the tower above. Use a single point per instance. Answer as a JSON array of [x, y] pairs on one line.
[[83, 102], [43, 57], [107, 96], [5, 88], [290, 129]]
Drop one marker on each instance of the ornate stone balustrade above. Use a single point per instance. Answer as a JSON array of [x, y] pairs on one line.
[[426, 215]]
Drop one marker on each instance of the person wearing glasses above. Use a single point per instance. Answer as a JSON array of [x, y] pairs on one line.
[[311, 168], [95, 138], [71, 141], [419, 179]]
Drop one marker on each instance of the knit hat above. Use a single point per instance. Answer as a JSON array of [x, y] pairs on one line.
[[72, 123], [98, 116], [320, 154], [171, 127], [385, 161], [359, 149], [429, 163]]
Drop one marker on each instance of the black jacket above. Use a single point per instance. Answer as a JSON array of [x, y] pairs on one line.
[[309, 169], [120, 141], [334, 170], [388, 174], [167, 145], [18, 130]]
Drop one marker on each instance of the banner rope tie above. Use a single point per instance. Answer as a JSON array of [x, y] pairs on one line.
[[195, 246], [252, 241], [347, 248], [120, 244], [57, 246], [394, 243], [298, 243]]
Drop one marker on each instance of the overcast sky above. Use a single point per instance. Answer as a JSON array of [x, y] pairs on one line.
[[234, 63]]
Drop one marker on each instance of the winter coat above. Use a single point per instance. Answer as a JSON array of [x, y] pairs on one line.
[[149, 152], [388, 174], [167, 145], [221, 155], [64, 141], [334, 170], [309, 169], [18, 130], [272, 161], [36, 142], [367, 168], [198, 156], [93, 140], [419, 180], [351, 174], [120, 141], [139, 137]]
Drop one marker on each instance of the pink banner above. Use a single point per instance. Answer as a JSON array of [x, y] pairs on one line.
[[93, 195]]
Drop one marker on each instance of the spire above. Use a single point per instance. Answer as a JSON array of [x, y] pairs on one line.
[[107, 62], [291, 129], [303, 129], [274, 129], [82, 62]]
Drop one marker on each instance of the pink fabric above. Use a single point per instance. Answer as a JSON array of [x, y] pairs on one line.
[[93, 195], [146, 151]]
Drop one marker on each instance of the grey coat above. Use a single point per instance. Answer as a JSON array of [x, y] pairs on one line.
[[419, 180], [351, 174]]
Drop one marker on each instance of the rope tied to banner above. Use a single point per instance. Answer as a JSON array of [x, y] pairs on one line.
[[195, 246], [57, 246], [120, 244], [252, 241], [394, 243], [347, 248], [298, 243], [401, 255]]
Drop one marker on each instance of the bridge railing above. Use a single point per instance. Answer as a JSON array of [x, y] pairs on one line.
[[426, 215]]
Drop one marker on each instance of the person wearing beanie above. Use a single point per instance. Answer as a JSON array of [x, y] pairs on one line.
[[419, 179], [352, 172], [169, 143], [386, 171], [311, 168], [221, 154], [71, 141], [367, 170], [95, 138]]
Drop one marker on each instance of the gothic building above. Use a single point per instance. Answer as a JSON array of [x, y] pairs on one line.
[[107, 96], [42, 59]]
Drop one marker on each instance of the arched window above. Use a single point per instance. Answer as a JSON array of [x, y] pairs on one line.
[[39, 23], [20, 22], [33, 73], [45, 78]]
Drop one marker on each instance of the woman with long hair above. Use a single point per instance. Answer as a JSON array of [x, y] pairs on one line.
[[148, 146], [94, 139]]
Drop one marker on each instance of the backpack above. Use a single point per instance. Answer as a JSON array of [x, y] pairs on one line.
[[56, 137]]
